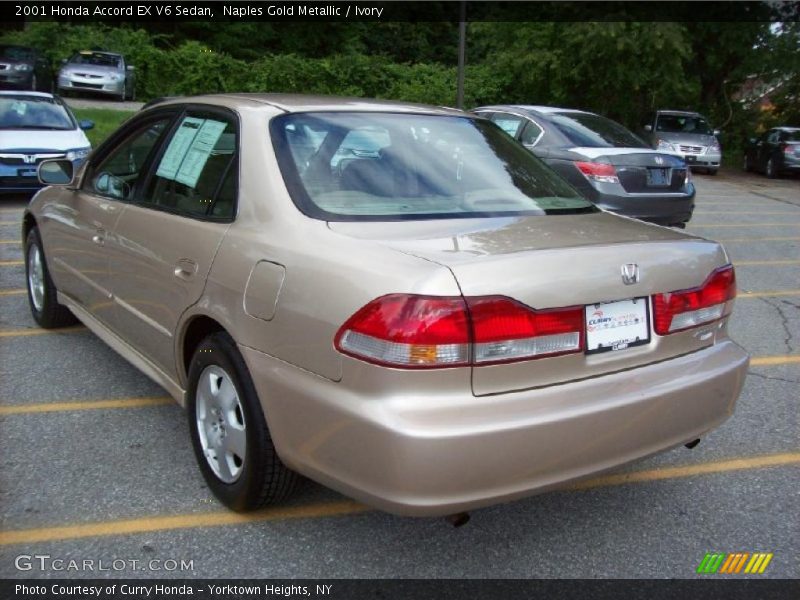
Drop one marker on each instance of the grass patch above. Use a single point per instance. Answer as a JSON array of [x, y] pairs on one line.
[[105, 122]]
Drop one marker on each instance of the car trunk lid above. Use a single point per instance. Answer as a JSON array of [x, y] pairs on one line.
[[560, 261], [640, 171]]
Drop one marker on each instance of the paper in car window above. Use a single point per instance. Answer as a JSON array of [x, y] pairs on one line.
[[189, 150]]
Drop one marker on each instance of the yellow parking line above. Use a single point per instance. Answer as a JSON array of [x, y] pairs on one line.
[[10, 222], [752, 263], [166, 523], [10, 242], [350, 507], [763, 239], [24, 409], [709, 225], [11, 263], [746, 212], [14, 292], [767, 361], [722, 466], [769, 294], [26, 332]]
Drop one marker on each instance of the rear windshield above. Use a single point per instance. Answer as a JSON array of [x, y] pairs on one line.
[[792, 136], [683, 124], [386, 167], [593, 131], [31, 112]]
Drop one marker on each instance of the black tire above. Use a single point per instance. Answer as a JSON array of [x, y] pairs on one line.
[[747, 165], [50, 314], [263, 478], [769, 169]]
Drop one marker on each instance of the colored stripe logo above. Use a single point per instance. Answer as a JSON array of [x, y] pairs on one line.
[[734, 563]]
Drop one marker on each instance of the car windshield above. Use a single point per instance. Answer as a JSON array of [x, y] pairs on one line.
[[31, 112], [587, 130], [95, 58], [16, 52], [387, 167], [683, 124]]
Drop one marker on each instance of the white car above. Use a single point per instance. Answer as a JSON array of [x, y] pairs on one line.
[[35, 126]]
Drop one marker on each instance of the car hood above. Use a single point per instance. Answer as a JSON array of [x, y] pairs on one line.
[[27, 140], [698, 139], [90, 70]]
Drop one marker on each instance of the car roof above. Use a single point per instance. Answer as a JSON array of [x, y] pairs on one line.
[[310, 103], [25, 93], [117, 54], [787, 128], [685, 113], [545, 110]]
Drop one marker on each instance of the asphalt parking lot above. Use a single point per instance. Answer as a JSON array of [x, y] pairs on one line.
[[97, 464]]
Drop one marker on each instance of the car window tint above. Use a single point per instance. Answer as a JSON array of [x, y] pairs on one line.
[[196, 159], [791, 136], [593, 131], [403, 167], [508, 123], [117, 174], [530, 134], [773, 137]]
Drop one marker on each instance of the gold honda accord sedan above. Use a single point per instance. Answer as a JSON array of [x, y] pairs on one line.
[[397, 301]]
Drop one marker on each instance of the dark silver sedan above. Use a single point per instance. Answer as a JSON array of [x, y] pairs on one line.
[[608, 164], [98, 72]]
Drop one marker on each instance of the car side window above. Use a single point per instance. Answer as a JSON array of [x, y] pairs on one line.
[[773, 137], [508, 123], [530, 135], [117, 175], [196, 175]]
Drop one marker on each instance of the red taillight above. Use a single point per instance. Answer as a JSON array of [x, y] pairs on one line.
[[685, 309], [601, 172], [506, 330], [787, 149], [409, 331], [430, 331]]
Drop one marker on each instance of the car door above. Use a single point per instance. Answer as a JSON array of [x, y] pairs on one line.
[[167, 237], [79, 224]]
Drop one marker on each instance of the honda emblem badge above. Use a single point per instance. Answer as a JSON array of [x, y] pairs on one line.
[[29, 159], [630, 273]]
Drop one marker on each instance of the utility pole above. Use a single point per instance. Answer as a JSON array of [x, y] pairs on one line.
[[462, 51]]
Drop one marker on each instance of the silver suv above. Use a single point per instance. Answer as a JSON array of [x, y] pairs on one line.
[[685, 134]]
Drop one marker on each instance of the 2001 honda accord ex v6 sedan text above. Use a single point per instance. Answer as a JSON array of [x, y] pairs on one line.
[[398, 301]]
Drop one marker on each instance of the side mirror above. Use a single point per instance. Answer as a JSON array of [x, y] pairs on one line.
[[56, 172], [86, 124], [717, 132], [648, 128], [110, 185], [130, 68]]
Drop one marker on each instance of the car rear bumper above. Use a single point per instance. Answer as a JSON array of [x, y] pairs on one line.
[[442, 454], [663, 209]]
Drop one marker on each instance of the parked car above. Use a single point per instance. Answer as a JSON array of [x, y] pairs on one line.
[[603, 160], [24, 68], [99, 73], [430, 326], [35, 126], [685, 134], [774, 152]]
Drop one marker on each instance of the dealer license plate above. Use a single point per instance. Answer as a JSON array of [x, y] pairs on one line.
[[26, 172], [617, 325]]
